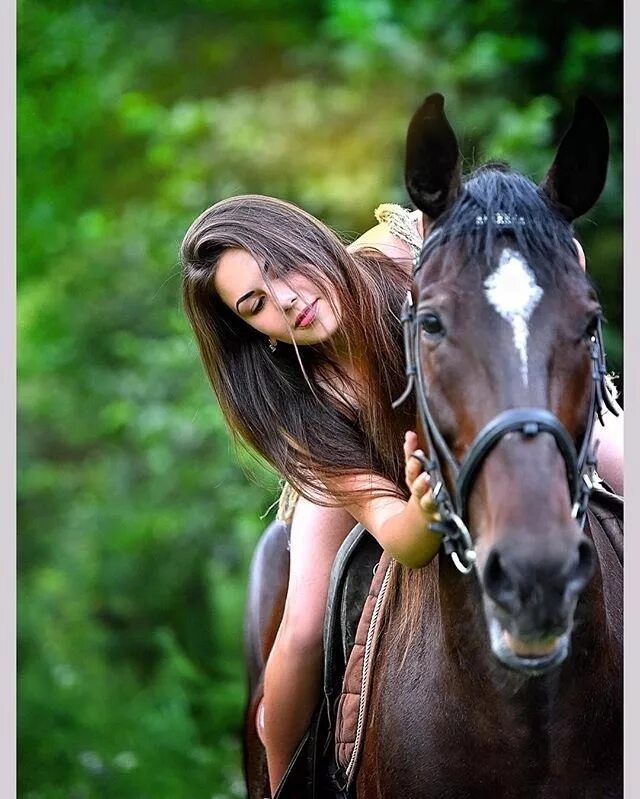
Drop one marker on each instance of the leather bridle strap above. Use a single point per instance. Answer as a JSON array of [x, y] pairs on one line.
[[528, 421]]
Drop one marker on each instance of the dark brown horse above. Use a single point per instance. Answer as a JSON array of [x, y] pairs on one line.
[[268, 580], [506, 681]]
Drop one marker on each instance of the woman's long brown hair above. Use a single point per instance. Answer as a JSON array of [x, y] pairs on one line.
[[274, 401]]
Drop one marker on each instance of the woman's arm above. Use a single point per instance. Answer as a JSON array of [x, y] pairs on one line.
[[380, 238], [401, 527]]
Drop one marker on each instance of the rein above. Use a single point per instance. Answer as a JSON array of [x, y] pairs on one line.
[[452, 502]]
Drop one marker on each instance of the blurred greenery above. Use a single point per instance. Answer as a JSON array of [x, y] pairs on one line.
[[137, 519]]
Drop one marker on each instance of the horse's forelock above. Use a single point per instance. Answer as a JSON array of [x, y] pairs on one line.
[[475, 223]]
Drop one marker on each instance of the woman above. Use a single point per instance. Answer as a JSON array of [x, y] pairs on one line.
[[302, 344]]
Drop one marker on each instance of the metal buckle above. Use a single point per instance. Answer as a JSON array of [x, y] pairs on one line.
[[579, 509], [463, 545]]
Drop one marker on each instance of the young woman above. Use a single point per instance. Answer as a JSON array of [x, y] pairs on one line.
[[302, 343]]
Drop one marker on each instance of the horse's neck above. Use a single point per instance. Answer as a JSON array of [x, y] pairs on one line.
[[464, 629], [606, 583]]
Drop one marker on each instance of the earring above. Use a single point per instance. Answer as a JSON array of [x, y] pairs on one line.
[[272, 345]]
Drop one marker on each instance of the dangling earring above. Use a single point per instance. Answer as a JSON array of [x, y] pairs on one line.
[[272, 345]]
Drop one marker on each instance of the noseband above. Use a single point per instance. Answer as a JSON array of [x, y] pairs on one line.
[[452, 502]]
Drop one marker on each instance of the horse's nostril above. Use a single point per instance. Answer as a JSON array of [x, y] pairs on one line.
[[499, 585]]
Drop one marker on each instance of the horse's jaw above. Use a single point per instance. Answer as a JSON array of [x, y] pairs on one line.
[[530, 662]]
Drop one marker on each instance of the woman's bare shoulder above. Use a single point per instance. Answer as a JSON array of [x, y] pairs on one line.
[[380, 238]]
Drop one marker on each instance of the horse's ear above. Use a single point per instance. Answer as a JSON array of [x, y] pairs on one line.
[[579, 171], [432, 162]]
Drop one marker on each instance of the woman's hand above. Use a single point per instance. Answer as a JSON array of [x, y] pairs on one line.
[[417, 479]]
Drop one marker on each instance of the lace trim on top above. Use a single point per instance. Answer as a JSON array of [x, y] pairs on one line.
[[401, 222], [287, 502]]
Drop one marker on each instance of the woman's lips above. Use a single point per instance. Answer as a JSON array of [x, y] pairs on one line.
[[307, 316]]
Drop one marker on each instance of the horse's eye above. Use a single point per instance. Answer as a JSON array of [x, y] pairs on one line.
[[432, 324], [592, 327]]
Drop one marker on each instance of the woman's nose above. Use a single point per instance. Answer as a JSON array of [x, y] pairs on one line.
[[285, 297]]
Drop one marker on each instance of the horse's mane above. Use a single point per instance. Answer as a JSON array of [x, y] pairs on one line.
[[494, 192]]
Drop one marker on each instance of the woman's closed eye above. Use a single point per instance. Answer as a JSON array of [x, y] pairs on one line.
[[257, 306]]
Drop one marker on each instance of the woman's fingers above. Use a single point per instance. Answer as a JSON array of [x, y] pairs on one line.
[[421, 490], [420, 485], [410, 443], [416, 478], [413, 467]]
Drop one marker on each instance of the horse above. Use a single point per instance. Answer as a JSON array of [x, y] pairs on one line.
[[268, 579], [505, 680]]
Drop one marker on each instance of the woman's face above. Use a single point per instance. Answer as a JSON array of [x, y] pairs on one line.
[[291, 310]]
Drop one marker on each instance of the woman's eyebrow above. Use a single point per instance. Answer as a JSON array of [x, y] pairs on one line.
[[243, 298]]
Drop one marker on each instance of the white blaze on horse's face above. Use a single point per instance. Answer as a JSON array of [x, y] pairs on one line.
[[512, 290]]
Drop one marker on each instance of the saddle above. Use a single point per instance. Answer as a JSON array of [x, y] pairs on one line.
[[325, 763]]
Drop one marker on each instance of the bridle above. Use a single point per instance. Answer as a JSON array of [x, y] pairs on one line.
[[452, 501]]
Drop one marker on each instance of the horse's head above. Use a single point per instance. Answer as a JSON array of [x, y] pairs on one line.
[[506, 345]]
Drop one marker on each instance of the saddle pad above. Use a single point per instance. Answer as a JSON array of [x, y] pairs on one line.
[[354, 699]]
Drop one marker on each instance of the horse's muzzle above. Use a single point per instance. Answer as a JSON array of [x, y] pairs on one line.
[[530, 603]]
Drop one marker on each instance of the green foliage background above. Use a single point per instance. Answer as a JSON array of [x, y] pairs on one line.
[[137, 518]]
